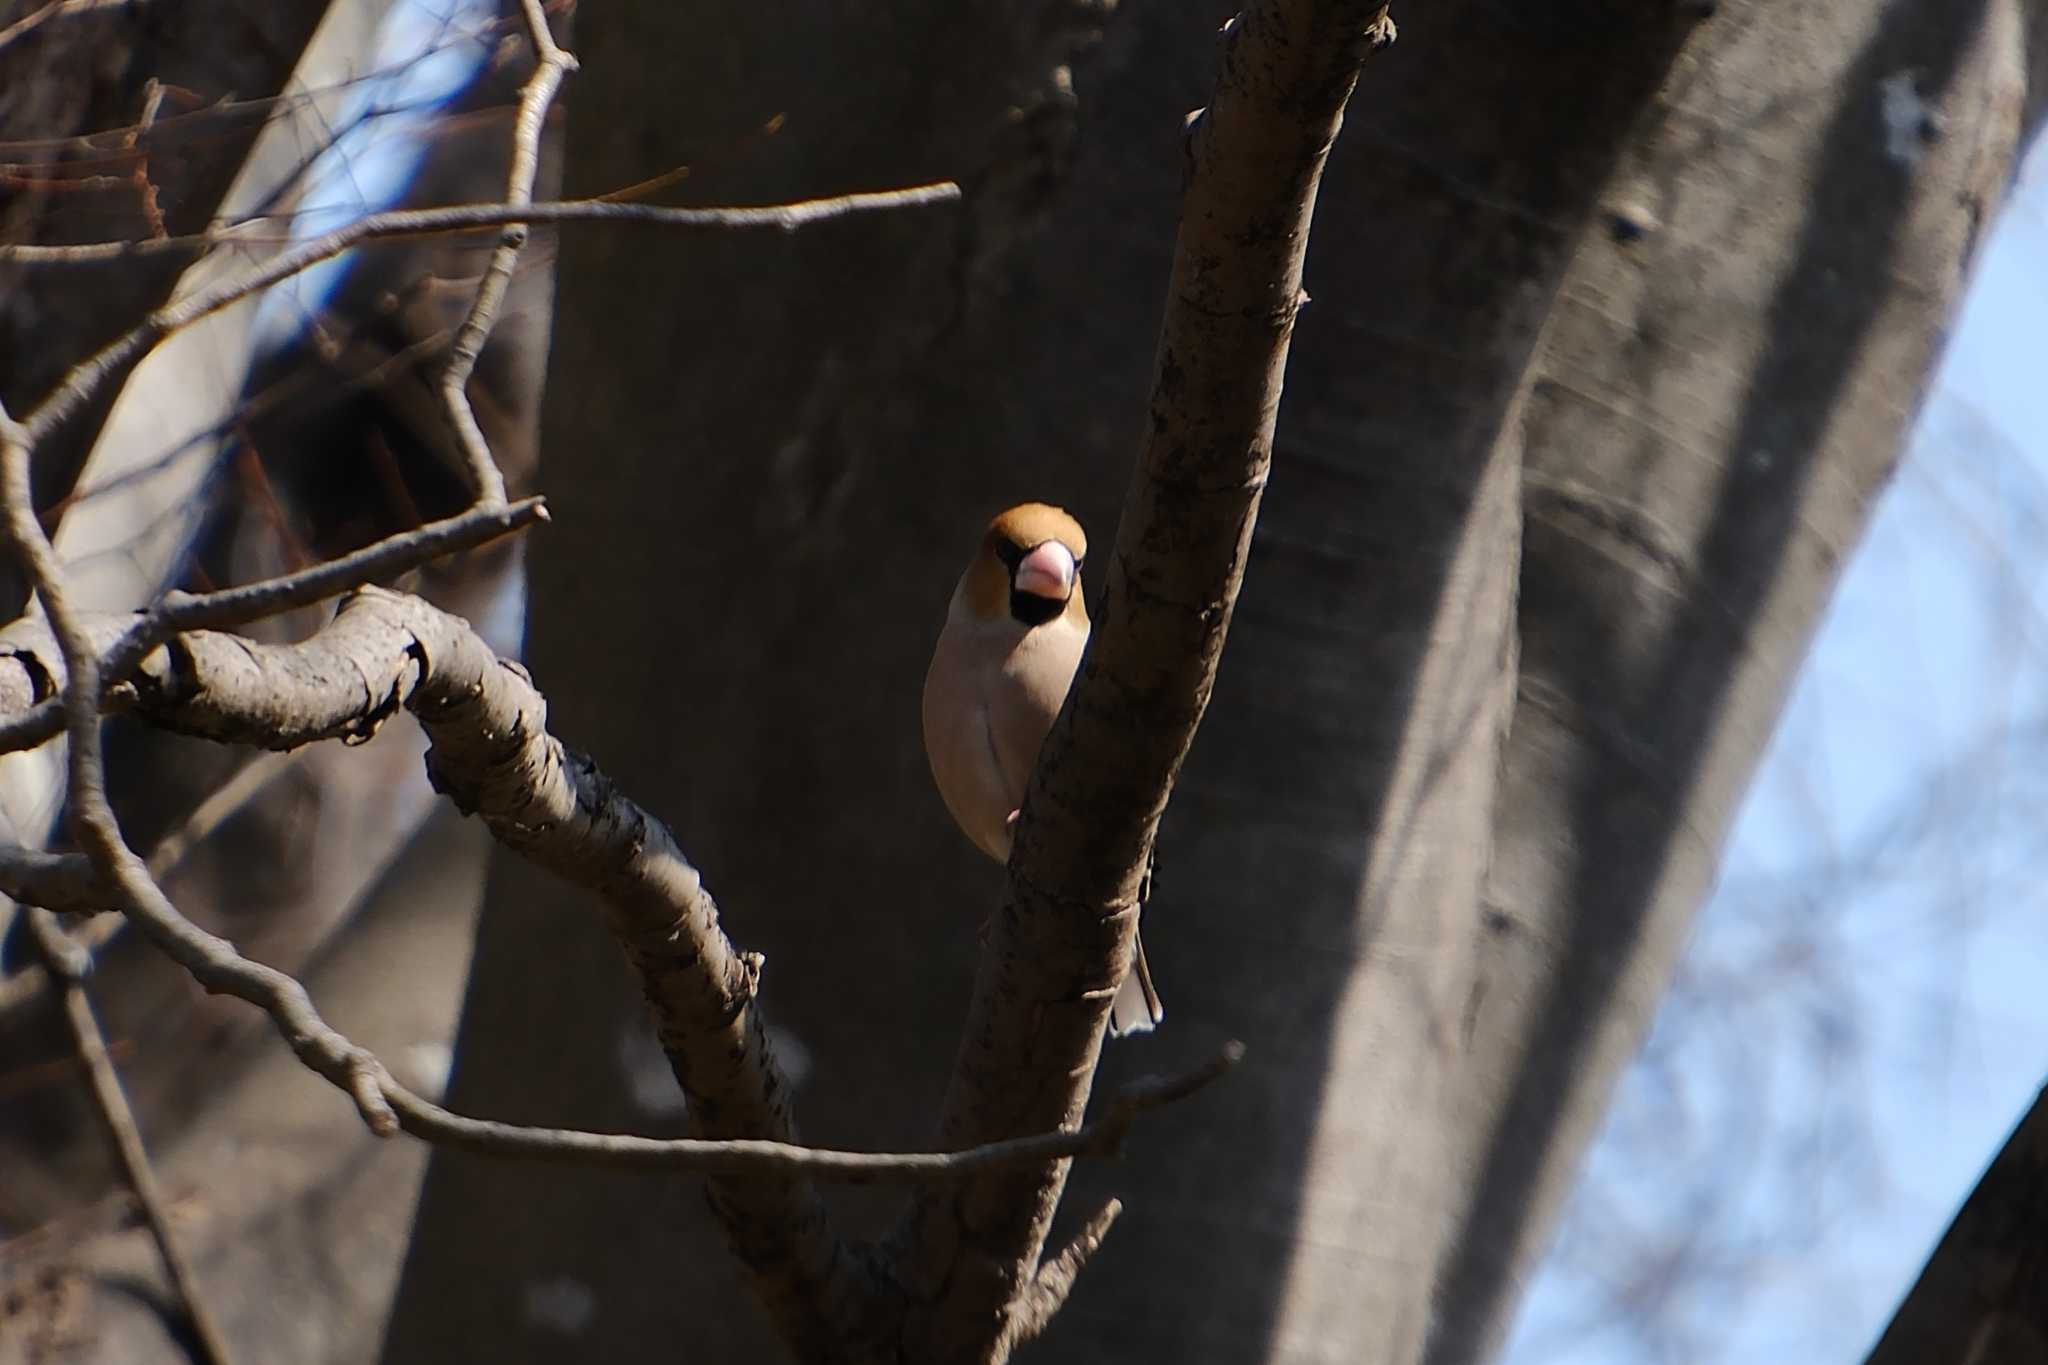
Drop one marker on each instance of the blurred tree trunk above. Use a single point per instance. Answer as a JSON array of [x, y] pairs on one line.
[[1619, 314], [294, 1216], [123, 121]]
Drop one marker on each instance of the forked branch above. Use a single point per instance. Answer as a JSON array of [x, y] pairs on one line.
[[1063, 938]]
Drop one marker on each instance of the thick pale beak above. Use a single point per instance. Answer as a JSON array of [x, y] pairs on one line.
[[1047, 571]]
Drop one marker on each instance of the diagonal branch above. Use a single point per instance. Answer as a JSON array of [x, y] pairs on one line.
[[493, 755], [1982, 1297], [68, 963], [27, 723], [121, 354], [386, 650], [1057, 1276], [53, 9], [604, 208], [170, 851], [1063, 937]]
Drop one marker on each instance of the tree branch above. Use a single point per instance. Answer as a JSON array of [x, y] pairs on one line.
[[24, 674], [552, 66], [1062, 940], [386, 650], [117, 356], [1982, 1298], [68, 962], [170, 851], [968, 1282], [1056, 1278], [422, 222], [54, 9]]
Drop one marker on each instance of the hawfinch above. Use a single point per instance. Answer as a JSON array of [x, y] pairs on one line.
[[1013, 637]]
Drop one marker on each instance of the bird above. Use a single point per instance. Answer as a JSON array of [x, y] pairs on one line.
[[1013, 636]]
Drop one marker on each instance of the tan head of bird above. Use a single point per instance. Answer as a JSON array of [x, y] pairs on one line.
[[1029, 567]]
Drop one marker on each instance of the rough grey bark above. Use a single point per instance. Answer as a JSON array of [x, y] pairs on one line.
[[787, 449]]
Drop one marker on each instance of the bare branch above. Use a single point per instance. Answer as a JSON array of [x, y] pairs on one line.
[[553, 66], [1982, 1297], [55, 9], [425, 222], [1056, 1278], [1102, 1137], [395, 554], [1062, 940], [349, 679], [69, 962], [118, 355], [93, 899], [63, 883], [23, 726]]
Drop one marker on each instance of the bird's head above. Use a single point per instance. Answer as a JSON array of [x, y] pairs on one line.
[[1029, 567]]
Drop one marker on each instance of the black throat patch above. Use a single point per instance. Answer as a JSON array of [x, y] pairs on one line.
[[1032, 609]]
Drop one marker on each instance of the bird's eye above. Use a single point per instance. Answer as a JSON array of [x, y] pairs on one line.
[[1010, 553]]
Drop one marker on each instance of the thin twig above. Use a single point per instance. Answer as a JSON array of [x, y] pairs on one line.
[[168, 854], [1064, 934], [70, 962], [426, 222], [552, 66], [67, 398], [35, 19], [76, 147], [1101, 1137], [1056, 1277], [220, 805], [393, 555]]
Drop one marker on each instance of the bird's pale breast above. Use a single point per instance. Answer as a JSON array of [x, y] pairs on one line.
[[990, 697]]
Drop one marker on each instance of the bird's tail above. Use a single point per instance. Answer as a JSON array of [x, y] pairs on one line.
[[1137, 1008]]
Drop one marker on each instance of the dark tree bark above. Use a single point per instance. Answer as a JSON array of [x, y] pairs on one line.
[[1982, 1298]]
